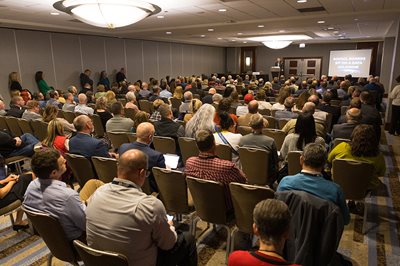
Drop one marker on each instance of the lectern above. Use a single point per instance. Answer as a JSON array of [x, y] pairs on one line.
[[275, 71]]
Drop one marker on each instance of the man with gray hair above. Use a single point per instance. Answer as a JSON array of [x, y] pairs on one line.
[[82, 107], [216, 98], [208, 97], [311, 180], [287, 113], [2, 108], [69, 104], [185, 106], [344, 130], [258, 140], [32, 111]]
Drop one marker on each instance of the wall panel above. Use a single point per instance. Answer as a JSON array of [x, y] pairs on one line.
[[115, 56], [93, 55], [150, 63], [187, 60], [134, 60], [8, 62], [177, 59], [164, 59]]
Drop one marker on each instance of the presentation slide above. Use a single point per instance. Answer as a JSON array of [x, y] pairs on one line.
[[354, 62]]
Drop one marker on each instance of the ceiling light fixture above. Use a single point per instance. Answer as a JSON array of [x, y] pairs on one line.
[[239, 33], [321, 21], [301, 1], [108, 13], [302, 45], [54, 13], [210, 30], [260, 26], [279, 41], [222, 10], [160, 16], [202, 36], [168, 32]]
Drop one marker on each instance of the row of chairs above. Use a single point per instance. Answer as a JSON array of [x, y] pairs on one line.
[[19, 126]]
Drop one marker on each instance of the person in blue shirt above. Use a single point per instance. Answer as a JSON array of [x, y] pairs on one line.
[[311, 180]]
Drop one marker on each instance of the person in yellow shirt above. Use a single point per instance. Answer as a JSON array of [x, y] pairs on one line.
[[364, 147]]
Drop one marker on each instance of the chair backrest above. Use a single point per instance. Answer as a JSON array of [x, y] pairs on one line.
[[39, 129], [282, 122], [264, 112], [81, 168], [118, 138], [293, 159], [106, 168], [164, 144], [353, 177], [3, 123], [12, 123], [60, 114], [337, 141], [343, 110], [209, 200], [328, 124], [130, 113], [53, 235], [335, 102], [173, 190], [255, 165], [176, 103], [98, 126], [245, 198], [224, 151], [132, 137], [146, 106], [272, 122], [94, 257], [188, 148], [69, 116], [25, 126], [277, 134], [244, 130]]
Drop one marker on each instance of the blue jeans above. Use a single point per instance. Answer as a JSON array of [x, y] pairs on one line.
[[26, 147]]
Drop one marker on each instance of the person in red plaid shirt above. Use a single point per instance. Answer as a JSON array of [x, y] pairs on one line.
[[208, 166]]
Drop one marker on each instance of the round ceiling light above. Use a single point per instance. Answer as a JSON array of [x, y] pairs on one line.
[[108, 13]]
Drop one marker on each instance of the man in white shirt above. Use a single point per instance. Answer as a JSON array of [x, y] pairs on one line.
[[82, 107], [121, 218]]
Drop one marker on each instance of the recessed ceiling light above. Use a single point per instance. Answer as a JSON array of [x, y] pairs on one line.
[[281, 31], [302, 45], [210, 29], [202, 36], [54, 13], [260, 26], [301, 1], [168, 32], [244, 42], [321, 21], [219, 38], [336, 32], [160, 16], [222, 10], [286, 37], [233, 40], [331, 28], [239, 33], [356, 19]]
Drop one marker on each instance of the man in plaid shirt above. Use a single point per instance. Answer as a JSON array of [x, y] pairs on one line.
[[208, 166]]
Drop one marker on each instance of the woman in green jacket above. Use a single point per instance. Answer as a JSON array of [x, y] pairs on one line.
[[43, 87]]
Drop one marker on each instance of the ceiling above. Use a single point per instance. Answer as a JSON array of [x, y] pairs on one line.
[[200, 22]]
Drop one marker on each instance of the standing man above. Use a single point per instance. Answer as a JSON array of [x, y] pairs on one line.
[[120, 76], [86, 81]]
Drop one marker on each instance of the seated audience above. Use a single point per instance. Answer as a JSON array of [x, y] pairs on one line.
[[223, 107], [301, 101], [195, 106], [202, 119], [118, 123], [32, 111], [102, 112], [69, 104], [235, 100], [287, 113], [318, 114], [155, 116], [252, 109], [140, 117], [111, 98], [144, 91], [243, 109], [123, 219], [326, 106], [272, 222], [216, 98], [12, 188], [208, 166], [262, 104], [83, 143], [370, 115], [257, 140], [283, 94], [42, 84], [17, 146], [82, 107], [166, 127], [144, 136], [51, 113], [311, 180], [344, 130], [16, 107], [131, 101], [304, 133], [364, 147], [53, 99], [3, 111], [227, 136]]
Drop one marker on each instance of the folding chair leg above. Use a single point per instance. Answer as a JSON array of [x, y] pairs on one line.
[[364, 229], [49, 259], [194, 226], [12, 218], [232, 244], [228, 241]]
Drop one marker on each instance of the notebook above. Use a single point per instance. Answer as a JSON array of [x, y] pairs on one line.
[[171, 161]]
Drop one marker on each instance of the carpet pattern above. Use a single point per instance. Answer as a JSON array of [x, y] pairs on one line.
[[380, 246]]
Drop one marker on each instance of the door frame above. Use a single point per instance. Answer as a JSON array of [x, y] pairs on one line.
[[242, 59], [307, 57]]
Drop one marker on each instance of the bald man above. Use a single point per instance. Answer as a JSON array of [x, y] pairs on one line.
[[121, 218], [344, 130], [83, 143], [244, 120], [82, 107], [144, 137]]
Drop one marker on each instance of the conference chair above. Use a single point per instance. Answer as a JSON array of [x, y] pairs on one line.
[[353, 177], [272, 122], [146, 106], [132, 137], [69, 116], [343, 110], [293, 159], [328, 124], [17, 160], [336, 102], [130, 113], [60, 114], [209, 202], [81, 168], [164, 144], [3, 123], [39, 129], [117, 139], [224, 151], [9, 209], [282, 122], [188, 148], [337, 141], [25, 126], [266, 112], [106, 168], [255, 164], [49, 228], [122, 101], [245, 198], [12, 123], [95, 257], [98, 126], [277, 134], [244, 130], [176, 103], [173, 192]]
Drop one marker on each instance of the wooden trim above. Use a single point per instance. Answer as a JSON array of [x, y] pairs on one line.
[[242, 61]]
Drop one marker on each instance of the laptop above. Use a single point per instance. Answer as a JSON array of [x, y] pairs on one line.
[[171, 161]]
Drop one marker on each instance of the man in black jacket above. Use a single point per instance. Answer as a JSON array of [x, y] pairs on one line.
[[18, 146], [86, 81], [16, 107]]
